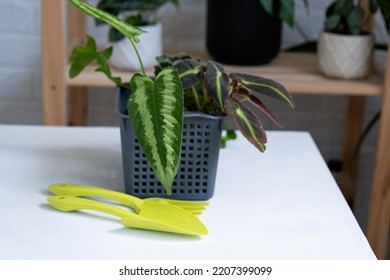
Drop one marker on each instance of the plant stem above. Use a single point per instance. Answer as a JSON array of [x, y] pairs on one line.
[[206, 96], [138, 56], [196, 99]]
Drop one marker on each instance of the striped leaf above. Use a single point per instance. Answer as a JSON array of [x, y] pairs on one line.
[[217, 83], [260, 85], [130, 31], [156, 111], [243, 96], [248, 123], [190, 72]]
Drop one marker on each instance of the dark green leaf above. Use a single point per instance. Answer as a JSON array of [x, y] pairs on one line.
[[354, 30], [156, 111], [264, 86], [373, 5], [114, 35], [217, 83], [223, 142], [267, 5], [287, 11], [384, 6], [332, 22], [230, 134], [354, 18], [190, 72], [168, 61], [248, 123], [165, 60], [106, 5], [117, 6], [342, 7]]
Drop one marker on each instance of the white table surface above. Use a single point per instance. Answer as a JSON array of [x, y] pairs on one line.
[[283, 204]]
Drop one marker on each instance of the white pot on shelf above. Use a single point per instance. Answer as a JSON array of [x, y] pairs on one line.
[[345, 56], [150, 46]]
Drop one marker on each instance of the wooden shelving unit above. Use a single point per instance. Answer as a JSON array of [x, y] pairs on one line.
[[64, 102], [297, 71]]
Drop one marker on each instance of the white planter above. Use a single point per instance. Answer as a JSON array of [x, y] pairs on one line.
[[150, 46], [345, 56]]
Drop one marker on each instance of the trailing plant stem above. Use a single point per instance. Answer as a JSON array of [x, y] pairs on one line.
[[138, 56]]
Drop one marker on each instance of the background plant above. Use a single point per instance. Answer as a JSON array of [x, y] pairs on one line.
[[284, 9], [346, 16], [156, 106], [134, 12]]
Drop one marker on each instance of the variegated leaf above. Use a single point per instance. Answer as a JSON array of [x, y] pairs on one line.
[[190, 72], [217, 83], [156, 110], [243, 96], [264, 86], [130, 31], [248, 123]]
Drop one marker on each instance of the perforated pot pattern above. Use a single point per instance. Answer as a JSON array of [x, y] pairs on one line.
[[198, 163]]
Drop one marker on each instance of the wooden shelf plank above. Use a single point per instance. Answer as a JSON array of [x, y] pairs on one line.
[[296, 71]]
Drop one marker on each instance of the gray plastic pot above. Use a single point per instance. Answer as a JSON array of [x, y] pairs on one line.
[[198, 164]]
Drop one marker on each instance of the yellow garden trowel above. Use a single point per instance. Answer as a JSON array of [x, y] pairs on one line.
[[151, 216]]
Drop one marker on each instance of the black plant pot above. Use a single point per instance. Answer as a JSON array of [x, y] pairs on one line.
[[242, 32]]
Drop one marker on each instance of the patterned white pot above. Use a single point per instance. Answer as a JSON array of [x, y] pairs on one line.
[[150, 46], [345, 56]]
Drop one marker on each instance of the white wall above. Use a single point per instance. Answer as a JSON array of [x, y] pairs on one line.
[[20, 76], [20, 62]]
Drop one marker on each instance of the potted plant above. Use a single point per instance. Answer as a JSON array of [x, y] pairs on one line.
[[246, 32], [141, 13], [155, 109], [344, 48]]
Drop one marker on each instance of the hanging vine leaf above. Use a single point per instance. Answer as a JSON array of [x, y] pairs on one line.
[[243, 96], [248, 123], [156, 111], [217, 83], [264, 86], [130, 31]]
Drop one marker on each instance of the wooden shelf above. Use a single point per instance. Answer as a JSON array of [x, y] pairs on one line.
[[296, 71]]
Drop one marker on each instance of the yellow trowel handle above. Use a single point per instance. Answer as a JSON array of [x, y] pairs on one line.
[[72, 203], [81, 190]]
